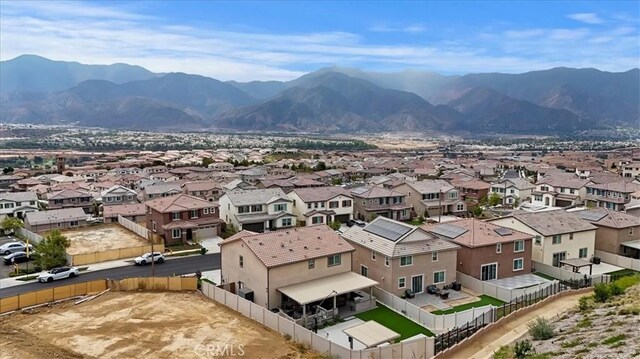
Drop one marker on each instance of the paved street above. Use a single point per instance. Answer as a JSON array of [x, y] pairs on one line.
[[178, 266]]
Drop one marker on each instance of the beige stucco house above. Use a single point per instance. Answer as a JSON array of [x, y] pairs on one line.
[[618, 232]]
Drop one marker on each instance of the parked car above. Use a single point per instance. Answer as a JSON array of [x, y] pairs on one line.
[[360, 223], [147, 258], [16, 257], [11, 247], [58, 273], [351, 222]]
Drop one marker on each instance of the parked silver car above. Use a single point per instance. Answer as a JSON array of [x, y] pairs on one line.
[[58, 273], [12, 247]]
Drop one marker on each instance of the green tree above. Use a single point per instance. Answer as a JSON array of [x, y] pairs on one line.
[[477, 211], [51, 252], [10, 224], [335, 225], [516, 202], [229, 231], [38, 160], [206, 161], [7, 170], [320, 166], [494, 199], [336, 181]]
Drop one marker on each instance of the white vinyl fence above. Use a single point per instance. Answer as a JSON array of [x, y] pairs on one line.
[[418, 348], [133, 227], [435, 323], [33, 237], [492, 290], [620, 261]]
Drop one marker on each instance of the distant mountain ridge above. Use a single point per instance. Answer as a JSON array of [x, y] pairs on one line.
[[333, 99]]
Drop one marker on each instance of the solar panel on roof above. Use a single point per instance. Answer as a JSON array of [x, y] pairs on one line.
[[503, 231], [387, 229], [591, 215], [449, 230], [359, 190]]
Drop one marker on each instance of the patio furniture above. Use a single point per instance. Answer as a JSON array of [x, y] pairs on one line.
[[444, 295], [457, 286], [409, 293], [432, 289]]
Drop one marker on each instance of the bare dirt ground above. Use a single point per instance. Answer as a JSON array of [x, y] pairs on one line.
[[136, 325], [102, 238]]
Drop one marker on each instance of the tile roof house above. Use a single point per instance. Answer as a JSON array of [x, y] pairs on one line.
[[44, 221], [322, 205], [400, 256], [135, 212], [17, 204], [370, 202], [69, 198], [512, 190], [487, 251], [182, 218], [618, 232], [118, 195], [559, 191], [293, 268], [429, 198], [611, 194], [557, 234], [208, 190], [257, 210]]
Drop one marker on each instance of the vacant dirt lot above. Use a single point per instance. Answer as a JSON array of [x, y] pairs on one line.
[[136, 325], [102, 238]]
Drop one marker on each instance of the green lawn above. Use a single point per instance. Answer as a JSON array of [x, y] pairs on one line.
[[394, 321], [415, 222], [544, 276], [484, 300], [624, 272]]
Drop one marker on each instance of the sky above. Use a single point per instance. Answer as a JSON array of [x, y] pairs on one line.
[[263, 40]]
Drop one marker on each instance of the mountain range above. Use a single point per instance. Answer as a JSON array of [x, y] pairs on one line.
[[37, 90]]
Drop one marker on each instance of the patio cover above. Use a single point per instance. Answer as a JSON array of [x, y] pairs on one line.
[[371, 333], [632, 244], [318, 289]]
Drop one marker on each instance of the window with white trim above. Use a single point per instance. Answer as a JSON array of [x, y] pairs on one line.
[[311, 263], [194, 213], [434, 256], [518, 264], [176, 233], [583, 252], [518, 246], [153, 226], [557, 239], [406, 261], [280, 207], [175, 216], [286, 222], [373, 255], [402, 282], [334, 260], [439, 277], [538, 240], [241, 261], [498, 247], [386, 261], [205, 211]]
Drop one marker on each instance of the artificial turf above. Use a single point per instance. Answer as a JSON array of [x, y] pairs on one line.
[[394, 321], [484, 300]]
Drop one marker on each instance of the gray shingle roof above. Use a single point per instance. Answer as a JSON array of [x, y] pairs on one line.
[[256, 196], [549, 223], [55, 216]]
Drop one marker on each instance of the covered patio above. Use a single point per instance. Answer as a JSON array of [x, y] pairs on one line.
[[576, 264], [321, 299], [371, 334], [630, 249], [519, 281]]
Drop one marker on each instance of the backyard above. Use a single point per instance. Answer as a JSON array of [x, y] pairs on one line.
[[102, 238], [394, 321], [484, 300]]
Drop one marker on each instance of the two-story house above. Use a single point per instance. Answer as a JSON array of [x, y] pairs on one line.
[[513, 190], [161, 189], [611, 195], [471, 188], [208, 190], [557, 235], [618, 232], [401, 257], [294, 270], [559, 191], [17, 204], [370, 202], [322, 205], [257, 210], [182, 218], [430, 198], [487, 251], [118, 195], [70, 198], [631, 170]]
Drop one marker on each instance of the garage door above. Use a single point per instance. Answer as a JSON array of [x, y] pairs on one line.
[[207, 232], [342, 218], [253, 227]]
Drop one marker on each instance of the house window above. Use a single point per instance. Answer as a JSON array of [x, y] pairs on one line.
[[518, 264], [73, 224], [256, 208], [453, 195], [280, 207], [317, 219], [498, 247], [460, 207], [518, 246], [583, 253], [205, 211], [439, 277], [537, 197], [175, 216], [176, 233], [32, 202], [241, 261], [434, 256], [194, 213], [150, 210], [286, 222], [334, 204], [212, 210], [311, 263], [557, 239], [631, 231], [334, 260], [538, 240], [402, 282], [364, 271], [309, 205], [373, 255], [406, 261], [386, 261], [153, 226], [346, 203]]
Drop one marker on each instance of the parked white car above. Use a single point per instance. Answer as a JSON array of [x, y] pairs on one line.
[[58, 273], [147, 258], [12, 247]]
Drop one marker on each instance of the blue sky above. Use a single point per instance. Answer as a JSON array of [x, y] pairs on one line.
[[282, 40]]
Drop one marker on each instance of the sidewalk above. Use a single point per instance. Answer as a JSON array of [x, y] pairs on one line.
[[11, 282]]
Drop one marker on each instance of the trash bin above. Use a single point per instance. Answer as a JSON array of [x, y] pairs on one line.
[[203, 251], [595, 260], [457, 286]]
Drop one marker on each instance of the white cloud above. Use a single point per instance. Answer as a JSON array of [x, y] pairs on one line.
[[413, 28], [587, 18], [524, 34]]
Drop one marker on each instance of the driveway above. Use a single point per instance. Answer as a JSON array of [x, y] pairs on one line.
[[211, 244]]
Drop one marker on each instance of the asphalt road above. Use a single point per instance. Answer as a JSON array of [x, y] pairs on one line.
[[178, 266]]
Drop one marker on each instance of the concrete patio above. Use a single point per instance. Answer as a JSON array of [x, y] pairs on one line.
[[602, 268], [520, 281], [335, 333], [432, 300]]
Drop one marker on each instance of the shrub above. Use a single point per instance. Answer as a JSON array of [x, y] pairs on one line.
[[614, 339], [584, 323], [523, 349], [616, 289], [541, 329], [583, 303], [602, 292], [571, 344], [287, 337], [628, 281]]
